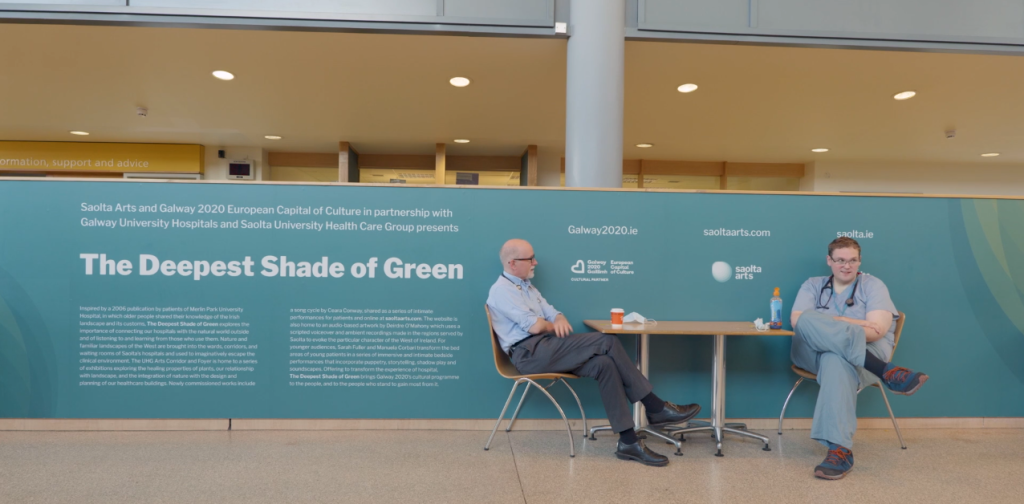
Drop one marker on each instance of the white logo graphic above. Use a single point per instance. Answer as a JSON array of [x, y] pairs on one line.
[[578, 267], [721, 271], [747, 272]]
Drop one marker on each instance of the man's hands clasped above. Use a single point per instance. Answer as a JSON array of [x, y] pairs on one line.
[[561, 326]]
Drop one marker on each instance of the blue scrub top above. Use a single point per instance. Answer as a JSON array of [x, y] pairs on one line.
[[872, 294]]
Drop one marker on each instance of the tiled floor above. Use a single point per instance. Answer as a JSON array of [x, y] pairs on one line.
[[983, 465]]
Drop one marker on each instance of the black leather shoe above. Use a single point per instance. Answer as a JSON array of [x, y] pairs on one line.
[[639, 452], [673, 414]]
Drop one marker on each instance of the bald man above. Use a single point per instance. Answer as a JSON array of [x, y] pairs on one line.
[[539, 339]]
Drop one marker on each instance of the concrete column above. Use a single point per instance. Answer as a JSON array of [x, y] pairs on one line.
[[549, 166], [594, 93], [343, 161], [439, 163]]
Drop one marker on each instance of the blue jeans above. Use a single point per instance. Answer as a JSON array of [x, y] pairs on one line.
[[834, 350]]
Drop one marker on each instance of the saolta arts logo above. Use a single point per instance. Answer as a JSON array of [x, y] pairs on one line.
[[723, 272]]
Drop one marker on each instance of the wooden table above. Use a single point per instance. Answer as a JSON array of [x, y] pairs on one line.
[[719, 330]]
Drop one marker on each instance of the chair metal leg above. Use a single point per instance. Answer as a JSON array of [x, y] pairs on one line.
[[502, 415], [519, 407], [578, 403], [568, 430], [596, 429], [786, 404], [895, 424]]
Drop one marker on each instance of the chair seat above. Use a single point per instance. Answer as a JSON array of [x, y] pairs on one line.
[[804, 373], [508, 370], [811, 376], [542, 376]]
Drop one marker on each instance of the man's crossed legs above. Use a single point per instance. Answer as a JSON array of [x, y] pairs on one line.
[[602, 357], [839, 354]]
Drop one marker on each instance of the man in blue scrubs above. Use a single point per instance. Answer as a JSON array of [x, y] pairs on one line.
[[539, 339], [844, 326]]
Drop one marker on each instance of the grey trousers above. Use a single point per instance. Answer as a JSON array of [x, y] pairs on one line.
[[834, 351], [593, 355]]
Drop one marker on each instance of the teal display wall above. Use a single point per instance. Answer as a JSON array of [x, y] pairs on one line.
[[147, 300]]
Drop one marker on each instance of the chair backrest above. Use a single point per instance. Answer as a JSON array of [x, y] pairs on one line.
[[897, 332], [501, 361]]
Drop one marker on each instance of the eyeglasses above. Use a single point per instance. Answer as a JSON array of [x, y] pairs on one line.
[[844, 262], [531, 258]]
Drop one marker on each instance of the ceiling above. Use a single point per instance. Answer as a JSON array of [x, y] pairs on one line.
[[389, 93], [383, 93]]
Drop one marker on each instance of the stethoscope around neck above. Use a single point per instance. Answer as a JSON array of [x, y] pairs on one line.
[[830, 285]]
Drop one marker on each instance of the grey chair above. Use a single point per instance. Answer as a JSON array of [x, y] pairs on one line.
[[508, 370], [805, 374]]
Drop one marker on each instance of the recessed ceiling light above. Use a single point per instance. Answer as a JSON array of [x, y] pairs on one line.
[[687, 88], [906, 95], [223, 75], [820, 149], [83, 133], [271, 137], [459, 81], [990, 154], [645, 145], [461, 140]]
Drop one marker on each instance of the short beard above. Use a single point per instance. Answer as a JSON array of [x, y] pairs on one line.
[[530, 275]]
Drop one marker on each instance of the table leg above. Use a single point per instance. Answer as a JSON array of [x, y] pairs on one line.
[[718, 390], [718, 425], [643, 350], [643, 357]]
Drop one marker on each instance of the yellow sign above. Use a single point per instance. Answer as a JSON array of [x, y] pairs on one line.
[[100, 157]]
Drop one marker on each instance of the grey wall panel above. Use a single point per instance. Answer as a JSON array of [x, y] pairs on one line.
[[483, 13], [524, 10], [9, 4], [341, 7], [943, 19], [957, 21], [693, 14]]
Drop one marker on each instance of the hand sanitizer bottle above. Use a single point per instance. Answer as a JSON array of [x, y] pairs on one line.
[[776, 306]]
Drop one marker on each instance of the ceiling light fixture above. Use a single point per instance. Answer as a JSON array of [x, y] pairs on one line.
[[820, 149], [461, 140], [223, 75], [271, 137], [990, 154], [645, 145], [687, 88], [905, 95], [459, 81], [82, 133]]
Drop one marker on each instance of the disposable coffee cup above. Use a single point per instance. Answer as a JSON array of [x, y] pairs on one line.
[[617, 314]]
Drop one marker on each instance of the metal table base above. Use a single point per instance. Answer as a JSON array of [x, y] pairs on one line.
[[718, 425]]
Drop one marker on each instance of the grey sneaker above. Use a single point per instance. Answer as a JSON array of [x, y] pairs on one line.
[[837, 464]]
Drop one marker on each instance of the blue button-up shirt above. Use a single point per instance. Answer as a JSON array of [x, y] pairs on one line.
[[515, 306]]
